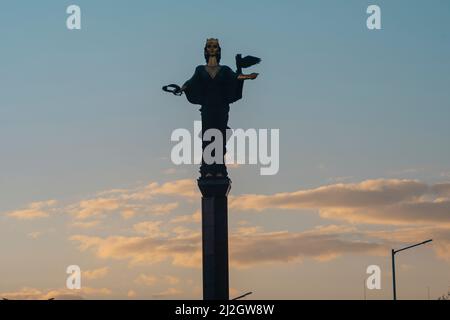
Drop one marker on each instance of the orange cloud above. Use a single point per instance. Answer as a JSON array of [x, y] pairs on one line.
[[149, 280], [164, 208], [150, 228], [185, 188], [372, 201], [400, 237], [96, 207], [251, 246], [85, 224], [146, 280], [95, 274], [127, 202], [193, 218], [35, 210], [172, 280], [248, 246], [57, 294], [130, 202], [180, 249], [34, 235], [168, 293], [131, 294]]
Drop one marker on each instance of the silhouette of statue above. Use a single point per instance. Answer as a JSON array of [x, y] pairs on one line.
[[215, 87]]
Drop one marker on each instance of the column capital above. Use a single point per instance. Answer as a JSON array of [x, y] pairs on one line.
[[214, 187]]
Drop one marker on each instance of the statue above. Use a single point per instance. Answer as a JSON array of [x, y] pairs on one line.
[[215, 87]]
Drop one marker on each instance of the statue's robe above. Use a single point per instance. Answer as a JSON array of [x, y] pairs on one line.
[[215, 96]]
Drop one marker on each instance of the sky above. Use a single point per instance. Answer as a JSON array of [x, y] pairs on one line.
[[86, 177]]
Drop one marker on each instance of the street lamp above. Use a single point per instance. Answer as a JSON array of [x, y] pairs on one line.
[[243, 296], [394, 288]]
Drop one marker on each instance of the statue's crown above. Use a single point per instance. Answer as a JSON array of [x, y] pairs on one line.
[[212, 40]]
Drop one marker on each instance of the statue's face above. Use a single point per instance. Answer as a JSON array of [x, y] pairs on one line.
[[212, 47]]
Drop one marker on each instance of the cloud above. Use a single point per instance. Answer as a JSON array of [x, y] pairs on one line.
[[248, 246], [133, 201], [128, 203], [150, 228], [407, 236], [164, 208], [131, 294], [434, 212], [373, 201], [128, 213], [35, 210], [146, 280], [193, 218], [96, 207], [170, 171], [150, 280], [95, 274], [354, 195], [252, 246], [172, 280], [184, 188], [85, 224], [57, 294], [441, 189], [399, 203], [168, 293], [180, 249], [34, 235], [160, 209]]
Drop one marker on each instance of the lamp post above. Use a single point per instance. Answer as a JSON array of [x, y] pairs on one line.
[[243, 296], [393, 252]]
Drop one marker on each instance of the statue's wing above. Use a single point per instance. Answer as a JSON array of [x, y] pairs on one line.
[[247, 61]]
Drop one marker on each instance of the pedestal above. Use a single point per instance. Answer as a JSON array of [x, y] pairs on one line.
[[215, 237]]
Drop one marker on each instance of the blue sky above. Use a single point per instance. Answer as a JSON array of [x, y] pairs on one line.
[[83, 111]]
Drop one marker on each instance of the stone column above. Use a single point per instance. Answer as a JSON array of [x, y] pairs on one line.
[[215, 237]]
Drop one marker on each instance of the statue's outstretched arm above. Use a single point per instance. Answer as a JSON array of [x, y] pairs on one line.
[[250, 76]]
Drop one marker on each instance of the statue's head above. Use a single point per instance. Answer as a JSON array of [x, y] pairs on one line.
[[212, 49]]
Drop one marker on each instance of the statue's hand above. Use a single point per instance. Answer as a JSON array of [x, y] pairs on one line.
[[251, 76]]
